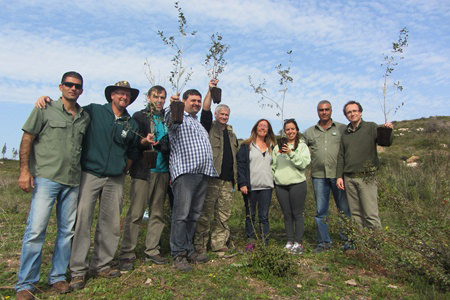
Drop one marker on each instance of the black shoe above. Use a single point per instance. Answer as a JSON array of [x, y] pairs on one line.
[[322, 247], [126, 264], [180, 263], [157, 259]]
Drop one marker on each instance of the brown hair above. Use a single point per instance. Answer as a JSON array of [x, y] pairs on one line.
[[269, 139], [297, 137]]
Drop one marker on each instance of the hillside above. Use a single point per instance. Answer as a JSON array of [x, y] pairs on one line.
[[408, 259]]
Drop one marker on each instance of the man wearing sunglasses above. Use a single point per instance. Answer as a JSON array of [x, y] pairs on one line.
[[110, 146], [50, 154], [323, 140]]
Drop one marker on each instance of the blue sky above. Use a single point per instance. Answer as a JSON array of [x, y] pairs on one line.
[[337, 48]]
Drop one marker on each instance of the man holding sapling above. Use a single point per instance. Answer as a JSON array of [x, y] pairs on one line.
[[219, 197], [190, 166], [109, 148], [357, 166], [148, 186], [50, 154], [323, 140]]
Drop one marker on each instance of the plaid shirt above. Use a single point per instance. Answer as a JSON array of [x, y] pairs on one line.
[[190, 149]]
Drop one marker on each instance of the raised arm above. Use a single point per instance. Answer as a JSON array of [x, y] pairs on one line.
[[207, 101]]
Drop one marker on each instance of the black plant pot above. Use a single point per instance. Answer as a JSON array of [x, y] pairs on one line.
[[177, 110], [216, 94], [281, 142], [384, 136], [150, 157]]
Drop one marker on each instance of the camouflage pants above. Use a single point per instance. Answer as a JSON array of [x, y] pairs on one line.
[[218, 203]]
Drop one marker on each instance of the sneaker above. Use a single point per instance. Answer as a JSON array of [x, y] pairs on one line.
[[288, 246], [296, 249], [126, 264], [25, 295], [61, 287], [146, 216], [198, 258], [157, 259], [322, 247], [250, 247], [180, 263], [78, 283], [107, 273]]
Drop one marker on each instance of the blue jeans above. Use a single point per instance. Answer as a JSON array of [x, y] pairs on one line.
[[262, 198], [44, 195], [189, 192], [322, 187]]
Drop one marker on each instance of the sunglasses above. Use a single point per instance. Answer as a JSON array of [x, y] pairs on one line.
[[71, 84]]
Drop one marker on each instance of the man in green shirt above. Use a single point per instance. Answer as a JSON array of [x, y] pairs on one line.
[[50, 154], [357, 164], [323, 140]]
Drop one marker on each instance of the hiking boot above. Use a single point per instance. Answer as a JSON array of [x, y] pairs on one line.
[[61, 287], [157, 259], [24, 295], [180, 263], [296, 249], [322, 247], [107, 273], [126, 264], [78, 283], [289, 245], [198, 258]]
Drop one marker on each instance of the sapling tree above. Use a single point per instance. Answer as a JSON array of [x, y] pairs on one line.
[[215, 63], [4, 150], [284, 81], [180, 75], [15, 153], [390, 62]]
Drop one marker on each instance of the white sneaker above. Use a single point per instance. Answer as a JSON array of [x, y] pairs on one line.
[[297, 249], [288, 246]]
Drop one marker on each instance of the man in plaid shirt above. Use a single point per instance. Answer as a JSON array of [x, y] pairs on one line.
[[190, 165]]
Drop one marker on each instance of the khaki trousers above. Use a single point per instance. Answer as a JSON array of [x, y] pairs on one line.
[[150, 192], [363, 201], [107, 232]]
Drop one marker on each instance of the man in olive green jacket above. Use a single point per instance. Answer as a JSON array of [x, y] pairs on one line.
[[219, 197]]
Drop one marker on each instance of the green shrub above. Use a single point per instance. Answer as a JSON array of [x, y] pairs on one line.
[[271, 260]]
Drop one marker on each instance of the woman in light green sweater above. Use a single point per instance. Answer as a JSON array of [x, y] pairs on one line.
[[288, 165]]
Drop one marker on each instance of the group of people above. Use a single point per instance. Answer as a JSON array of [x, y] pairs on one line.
[[75, 156]]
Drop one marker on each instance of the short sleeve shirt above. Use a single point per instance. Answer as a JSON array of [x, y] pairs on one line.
[[56, 149]]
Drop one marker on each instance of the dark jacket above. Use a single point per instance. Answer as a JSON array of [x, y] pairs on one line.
[[216, 138], [243, 167], [108, 142], [139, 169]]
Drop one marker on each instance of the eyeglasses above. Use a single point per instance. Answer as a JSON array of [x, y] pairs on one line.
[[123, 94], [71, 84], [349, 112]]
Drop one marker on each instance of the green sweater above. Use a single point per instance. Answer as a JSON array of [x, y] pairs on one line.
[[358, 149], [290, 168]]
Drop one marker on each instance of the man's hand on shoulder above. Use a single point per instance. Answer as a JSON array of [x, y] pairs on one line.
[[42, 101]]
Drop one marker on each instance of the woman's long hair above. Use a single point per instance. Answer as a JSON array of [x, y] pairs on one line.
[[297, 137], [269, 139]]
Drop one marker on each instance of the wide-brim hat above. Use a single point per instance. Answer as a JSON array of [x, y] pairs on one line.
[[125, 85]]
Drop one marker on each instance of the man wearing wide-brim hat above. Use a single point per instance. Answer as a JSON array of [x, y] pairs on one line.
[[110, 144]]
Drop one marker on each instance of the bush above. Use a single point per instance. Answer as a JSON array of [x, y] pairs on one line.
[[271, 260]]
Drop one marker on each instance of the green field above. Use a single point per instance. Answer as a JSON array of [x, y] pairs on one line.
[[408, 259]]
